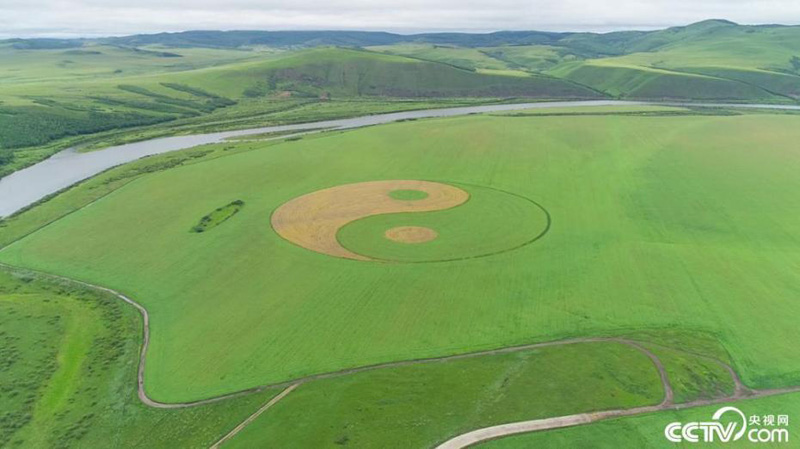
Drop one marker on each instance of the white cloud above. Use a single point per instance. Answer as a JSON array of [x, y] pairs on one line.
[[115, 17]]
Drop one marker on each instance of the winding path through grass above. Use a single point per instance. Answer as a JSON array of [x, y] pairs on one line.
[[464, 440], [668, 394], [503, 430]]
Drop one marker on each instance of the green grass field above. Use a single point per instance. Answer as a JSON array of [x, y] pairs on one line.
[[69, 375], [648, 430], [422, 405], [467, 58], [651, 219], [671, 226]]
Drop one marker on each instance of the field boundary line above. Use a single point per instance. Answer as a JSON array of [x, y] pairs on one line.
[[66, 214], [255, 415]]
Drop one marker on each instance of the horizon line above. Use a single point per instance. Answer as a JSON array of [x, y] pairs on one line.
[[70, 35]]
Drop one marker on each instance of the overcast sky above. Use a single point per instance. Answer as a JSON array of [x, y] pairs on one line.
[[118, 17]]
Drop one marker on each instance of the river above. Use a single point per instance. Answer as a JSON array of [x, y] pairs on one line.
[[68, 167]]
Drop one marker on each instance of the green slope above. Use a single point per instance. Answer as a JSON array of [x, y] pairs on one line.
[[754, 63], [53, 93], [344, 72], [68, 375], [740, 63], [50, 98], [647, 83], [425, 404], [462, 57], [626, 42]]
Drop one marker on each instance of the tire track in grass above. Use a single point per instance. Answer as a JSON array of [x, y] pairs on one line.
[[255, 415]]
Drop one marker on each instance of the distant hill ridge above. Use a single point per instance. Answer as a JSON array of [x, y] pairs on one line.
[[590, 44], [61, 88]]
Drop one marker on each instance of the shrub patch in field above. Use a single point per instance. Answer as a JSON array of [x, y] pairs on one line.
[[218, 216]]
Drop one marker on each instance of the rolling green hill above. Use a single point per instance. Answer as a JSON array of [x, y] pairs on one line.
[[344, 72], [756, 63], [53, 97], [463, 57], [648, 83], [55, 93], [711, 60]]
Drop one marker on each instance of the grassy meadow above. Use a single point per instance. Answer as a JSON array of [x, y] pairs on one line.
[[69, 375], [708, 60], [422, 405], [673, 226], [652, 217], [70, 357], [648, 430]]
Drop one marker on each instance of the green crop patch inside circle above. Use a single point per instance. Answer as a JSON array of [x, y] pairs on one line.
[[408, 195]]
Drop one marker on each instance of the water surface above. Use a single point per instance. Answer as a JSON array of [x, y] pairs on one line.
[[64, 169]]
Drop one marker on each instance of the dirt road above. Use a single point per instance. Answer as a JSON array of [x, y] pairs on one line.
[[466, 439], [503, 430]]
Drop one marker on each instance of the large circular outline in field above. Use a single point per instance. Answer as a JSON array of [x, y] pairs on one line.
[[533, 237], [312, 221]]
